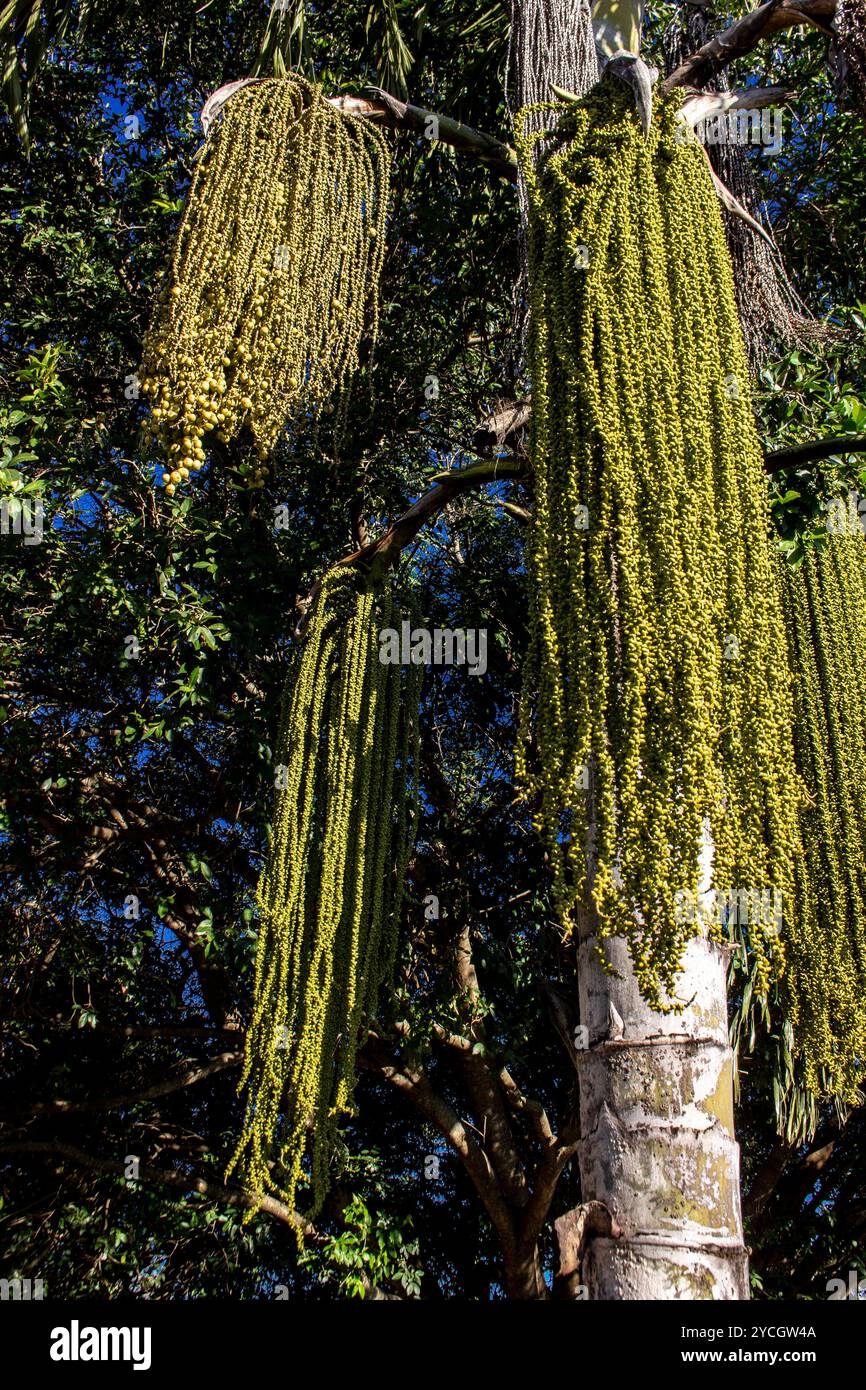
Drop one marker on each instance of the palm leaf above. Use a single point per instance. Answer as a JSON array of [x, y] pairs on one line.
[[27, 30], [284, 42], [13, 95], [393, 56]]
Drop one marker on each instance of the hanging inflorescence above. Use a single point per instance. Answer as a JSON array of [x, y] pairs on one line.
[[825, 982], [274, 276], [657, 653], [330, 893]]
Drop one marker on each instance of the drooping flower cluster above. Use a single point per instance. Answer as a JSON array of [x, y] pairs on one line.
[[331, 890], [825, 982], [273, 280], [657, 666]]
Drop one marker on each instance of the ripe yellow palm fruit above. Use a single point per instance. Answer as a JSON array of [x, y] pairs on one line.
[[265, 247]]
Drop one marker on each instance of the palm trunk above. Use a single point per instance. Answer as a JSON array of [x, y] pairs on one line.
[[657, 1127]]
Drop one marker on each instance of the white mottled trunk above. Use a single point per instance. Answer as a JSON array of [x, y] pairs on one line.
[[657, 1124]]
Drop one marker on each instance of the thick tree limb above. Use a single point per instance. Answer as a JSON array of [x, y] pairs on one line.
[[554, 1158], [452, 1040], [521, 1104], [387, 110], [380, 554], [767, 1178], [415, 1086], [482, 1083], [745, 35], [503, 429], [384, 551], [817, 449]]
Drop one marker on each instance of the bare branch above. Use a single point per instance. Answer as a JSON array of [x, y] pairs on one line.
[[415, 1085], [380, 554], [387, 110], [385, 550], [745, 35], [58, 1106], [817, 449], [482, 1082]]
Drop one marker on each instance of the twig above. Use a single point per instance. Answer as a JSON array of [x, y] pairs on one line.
[[231, 1196]]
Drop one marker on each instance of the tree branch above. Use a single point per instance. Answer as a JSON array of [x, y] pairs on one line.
[[557, 1152], [767, 1177], [385, 550], [415, 1085], [58, 1106], [745, 35], [482, 1082], [811, 452], [387, 110], [380, 554]]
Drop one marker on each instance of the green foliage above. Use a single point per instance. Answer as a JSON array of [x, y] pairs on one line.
[[809, 395], [371, 1252]]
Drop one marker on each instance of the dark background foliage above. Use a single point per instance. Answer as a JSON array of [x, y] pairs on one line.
[[136, 776]]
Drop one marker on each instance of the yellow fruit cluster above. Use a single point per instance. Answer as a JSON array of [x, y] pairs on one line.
[[657, 665], [825, 982], [331, 890], [273, 280]]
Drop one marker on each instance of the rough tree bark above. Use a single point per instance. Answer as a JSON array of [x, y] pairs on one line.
[[657, 1140]]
